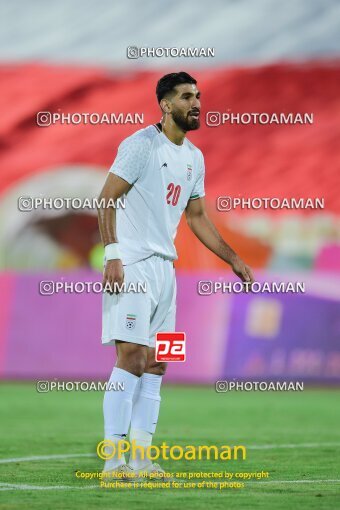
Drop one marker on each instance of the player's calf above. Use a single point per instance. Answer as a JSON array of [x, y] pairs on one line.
[[131, 363], [145, 412]]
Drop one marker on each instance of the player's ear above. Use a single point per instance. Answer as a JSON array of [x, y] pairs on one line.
[[165, 105]]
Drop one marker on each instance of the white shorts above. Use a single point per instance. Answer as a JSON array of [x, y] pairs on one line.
[[137, 317]]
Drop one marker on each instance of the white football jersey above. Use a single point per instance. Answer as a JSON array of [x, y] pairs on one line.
[[165, 176]]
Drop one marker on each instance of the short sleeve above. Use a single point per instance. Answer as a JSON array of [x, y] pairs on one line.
[[132, 157], [198, 189]]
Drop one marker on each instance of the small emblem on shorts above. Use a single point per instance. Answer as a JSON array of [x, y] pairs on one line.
[[130, 321], [189, 172]]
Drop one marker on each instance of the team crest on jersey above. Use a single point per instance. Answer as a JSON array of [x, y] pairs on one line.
[[130, 321], [189, 172]]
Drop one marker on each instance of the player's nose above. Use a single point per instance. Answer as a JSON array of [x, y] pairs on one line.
[[196, 103]]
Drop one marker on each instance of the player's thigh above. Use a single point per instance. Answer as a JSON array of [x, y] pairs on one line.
[[164, 320], [126, 316]]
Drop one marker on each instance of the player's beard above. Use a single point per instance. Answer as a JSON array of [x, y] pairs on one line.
[[185, 122]]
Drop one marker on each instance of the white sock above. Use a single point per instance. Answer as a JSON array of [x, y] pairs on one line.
[[144, 417], [117, 408], [137, 390]]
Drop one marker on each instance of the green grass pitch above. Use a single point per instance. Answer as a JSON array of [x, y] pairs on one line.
[[304, 476]]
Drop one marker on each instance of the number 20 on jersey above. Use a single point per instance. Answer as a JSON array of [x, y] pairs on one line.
[[173, 193]]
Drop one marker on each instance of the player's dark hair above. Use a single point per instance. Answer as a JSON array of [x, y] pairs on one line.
[[168, 82]]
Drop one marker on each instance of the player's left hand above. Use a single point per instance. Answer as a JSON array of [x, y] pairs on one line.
[[242, 270]]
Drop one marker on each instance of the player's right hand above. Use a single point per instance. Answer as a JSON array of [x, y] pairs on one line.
[[113, 277]]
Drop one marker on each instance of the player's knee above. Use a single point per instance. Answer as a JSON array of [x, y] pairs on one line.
[[156, 368], [138, 365], [133, 360]]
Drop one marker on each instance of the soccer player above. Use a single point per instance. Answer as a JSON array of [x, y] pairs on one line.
[[160, 174]]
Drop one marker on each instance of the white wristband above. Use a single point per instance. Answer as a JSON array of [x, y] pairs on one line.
[[112, 251]]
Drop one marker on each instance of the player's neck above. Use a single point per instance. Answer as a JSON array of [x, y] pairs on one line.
[[172, 131]]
